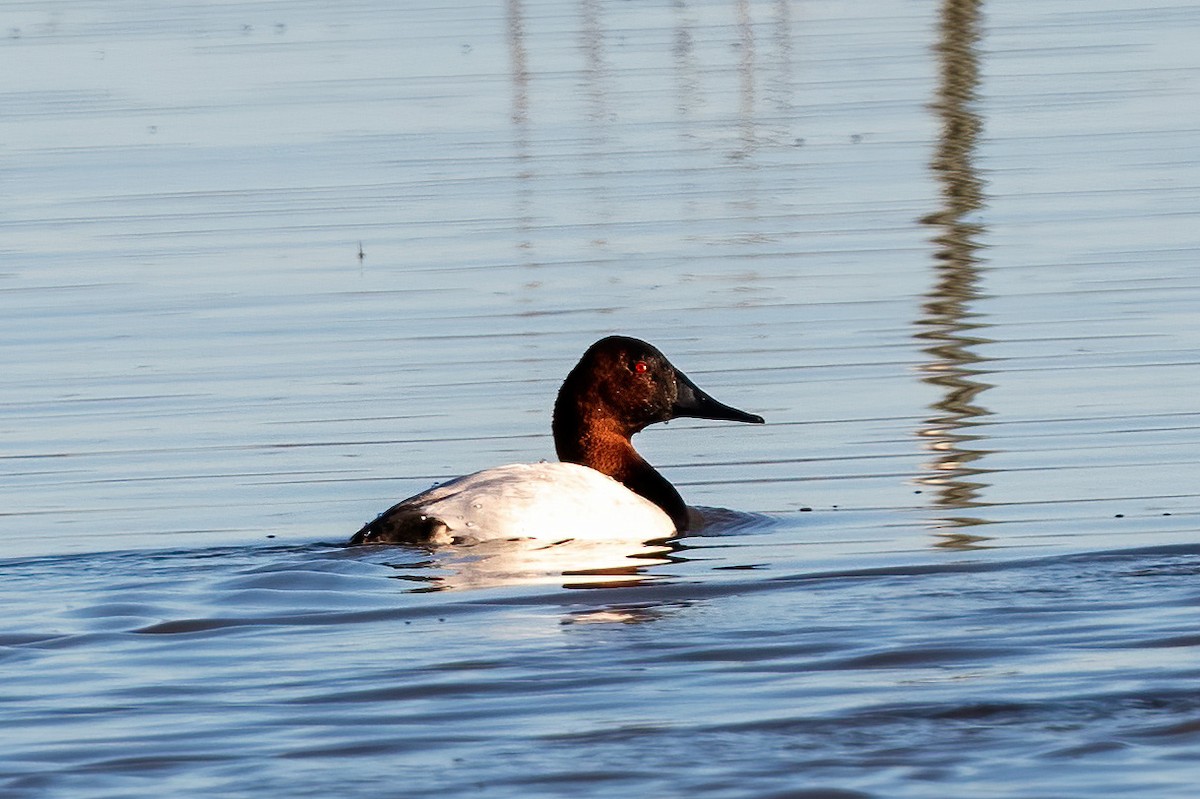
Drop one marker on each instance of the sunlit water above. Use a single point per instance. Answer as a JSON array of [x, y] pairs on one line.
[[267, 268]]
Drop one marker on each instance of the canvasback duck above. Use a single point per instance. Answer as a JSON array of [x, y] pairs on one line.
[[601, 488]]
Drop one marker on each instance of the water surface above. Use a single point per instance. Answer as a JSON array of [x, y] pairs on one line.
[[269, 267]]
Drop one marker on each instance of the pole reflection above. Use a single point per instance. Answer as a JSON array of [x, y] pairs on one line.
[[948, 325], [519, 76]]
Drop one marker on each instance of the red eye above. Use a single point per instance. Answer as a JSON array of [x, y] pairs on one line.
[[640, 367]]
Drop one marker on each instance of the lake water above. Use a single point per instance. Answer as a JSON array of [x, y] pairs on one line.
[[268, 267]]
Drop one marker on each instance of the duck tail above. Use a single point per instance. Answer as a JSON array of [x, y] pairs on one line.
[[401, 525]]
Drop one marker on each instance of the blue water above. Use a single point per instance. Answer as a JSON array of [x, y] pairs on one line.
[[317, 671], [947, 250]]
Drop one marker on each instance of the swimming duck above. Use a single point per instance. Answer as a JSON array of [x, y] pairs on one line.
[[601, 488]]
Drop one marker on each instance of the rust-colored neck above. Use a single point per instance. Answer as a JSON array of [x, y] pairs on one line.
[[600, 442]]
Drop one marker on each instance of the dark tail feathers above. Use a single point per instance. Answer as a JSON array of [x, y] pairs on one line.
[[400, 526]]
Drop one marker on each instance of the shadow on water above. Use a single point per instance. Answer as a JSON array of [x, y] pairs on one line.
[[948, 325]]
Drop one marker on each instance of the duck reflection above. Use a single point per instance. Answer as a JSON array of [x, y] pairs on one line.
[[623, 614], [949, 326], [570, 563]]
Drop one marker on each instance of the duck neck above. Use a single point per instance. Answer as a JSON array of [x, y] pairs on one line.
[[602, 445]]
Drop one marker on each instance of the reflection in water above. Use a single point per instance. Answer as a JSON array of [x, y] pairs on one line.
[[780, 89], [747, 118], [947, 323], [622, 614], [620, 562], [570, 563], [596, 79], [519, 74], [687, 69], [759, 112]]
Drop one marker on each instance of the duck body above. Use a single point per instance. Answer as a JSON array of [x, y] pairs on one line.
[[601, 490], [523, 500]]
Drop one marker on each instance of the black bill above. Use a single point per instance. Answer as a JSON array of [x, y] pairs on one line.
[[691, 401]]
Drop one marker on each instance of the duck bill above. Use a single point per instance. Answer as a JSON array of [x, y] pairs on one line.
[[693, 402]]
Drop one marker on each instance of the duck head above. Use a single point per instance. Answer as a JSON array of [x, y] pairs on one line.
[[624, 384]]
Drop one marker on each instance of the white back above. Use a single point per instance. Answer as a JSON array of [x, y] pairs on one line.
[[554, 501]]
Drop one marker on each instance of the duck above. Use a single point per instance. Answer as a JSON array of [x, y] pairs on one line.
[[599, 489]]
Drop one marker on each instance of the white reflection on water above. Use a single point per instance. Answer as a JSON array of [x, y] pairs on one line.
[[570, 563]]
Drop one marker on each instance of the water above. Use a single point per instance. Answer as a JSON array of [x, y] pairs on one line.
[[947, 250]]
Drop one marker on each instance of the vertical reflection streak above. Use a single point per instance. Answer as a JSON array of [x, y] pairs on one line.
[[596, 78], [746, 74], [688, 101], [519, 76], [687, 70], [780, 88], [947, 327]]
